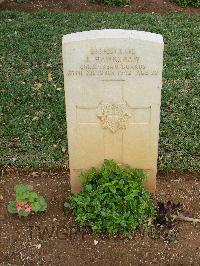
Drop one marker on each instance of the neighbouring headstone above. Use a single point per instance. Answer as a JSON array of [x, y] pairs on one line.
[[113, 81]]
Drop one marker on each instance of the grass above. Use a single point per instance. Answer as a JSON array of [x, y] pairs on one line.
[[32, 113]]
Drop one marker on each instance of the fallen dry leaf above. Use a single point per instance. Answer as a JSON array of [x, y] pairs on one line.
[[38, 246], [34, 174], [35, 118], [63, 150], [50, 77], [37, 85], [96, 242]]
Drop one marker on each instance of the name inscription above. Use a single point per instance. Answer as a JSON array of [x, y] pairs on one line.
[[112, 62]]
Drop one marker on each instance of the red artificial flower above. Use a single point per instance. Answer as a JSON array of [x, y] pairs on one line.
[[28, 209], [19, 203], [27, 205], [19, 208]]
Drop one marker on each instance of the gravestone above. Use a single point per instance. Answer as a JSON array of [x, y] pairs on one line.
[[113, 81]]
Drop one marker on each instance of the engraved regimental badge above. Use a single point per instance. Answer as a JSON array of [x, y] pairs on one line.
[[113, 116]]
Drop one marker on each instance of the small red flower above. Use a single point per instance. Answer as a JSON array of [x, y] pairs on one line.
[[19, 203], [27, 205], [19, 208], [28, 209]]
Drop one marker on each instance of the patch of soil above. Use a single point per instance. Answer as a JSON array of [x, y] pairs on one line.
[[52, 238], [136, 6]]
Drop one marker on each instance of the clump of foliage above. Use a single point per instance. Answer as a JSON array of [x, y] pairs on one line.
[[166, 213], [26, 201], [113, 199], [112, 2], [195, 3]]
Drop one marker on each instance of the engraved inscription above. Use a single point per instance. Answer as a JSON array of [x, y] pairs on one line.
[[113, 116], [112, 62]]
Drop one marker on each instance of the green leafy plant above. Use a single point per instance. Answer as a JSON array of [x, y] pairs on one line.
[[112, 2], [26, 202], [195, 3], [113, 199]]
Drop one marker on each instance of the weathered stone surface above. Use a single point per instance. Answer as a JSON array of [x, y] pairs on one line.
[[113, 81]]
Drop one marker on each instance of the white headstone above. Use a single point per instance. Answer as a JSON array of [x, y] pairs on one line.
[[113, 81]]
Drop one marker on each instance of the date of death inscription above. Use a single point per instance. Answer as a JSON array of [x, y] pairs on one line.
[[112, 62]]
